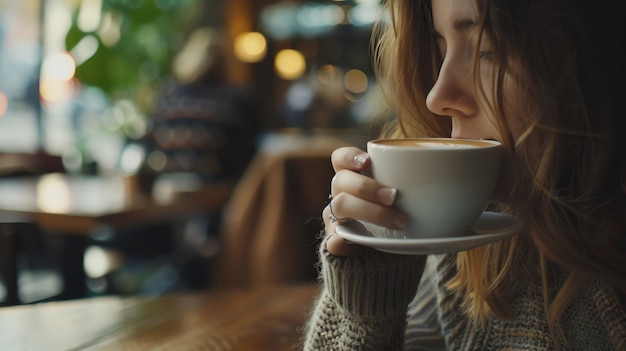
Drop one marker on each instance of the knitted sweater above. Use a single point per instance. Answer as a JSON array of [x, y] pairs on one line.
[[366, 300]]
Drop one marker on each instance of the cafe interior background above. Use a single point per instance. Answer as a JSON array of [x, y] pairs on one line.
[[198, 89]]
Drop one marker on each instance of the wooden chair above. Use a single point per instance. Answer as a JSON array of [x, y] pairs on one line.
[[10, 229], [272, 225]]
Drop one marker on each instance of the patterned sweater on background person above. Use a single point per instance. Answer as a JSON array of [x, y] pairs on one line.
[[363, 306]]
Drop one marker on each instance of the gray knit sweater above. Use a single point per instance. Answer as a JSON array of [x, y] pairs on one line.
[[366, 300]]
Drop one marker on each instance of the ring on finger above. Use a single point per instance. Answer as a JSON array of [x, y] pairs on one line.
[[333, 218]]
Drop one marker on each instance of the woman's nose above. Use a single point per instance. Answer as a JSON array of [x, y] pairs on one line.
[[453, 92]]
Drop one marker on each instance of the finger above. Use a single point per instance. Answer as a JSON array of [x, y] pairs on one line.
[[349, 157], [338, 246], [326, 216], [346, 205], [363, 187]]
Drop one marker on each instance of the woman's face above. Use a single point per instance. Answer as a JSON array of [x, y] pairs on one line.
[[456, 94]]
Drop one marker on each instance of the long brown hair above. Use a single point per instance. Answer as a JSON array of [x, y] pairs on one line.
[[570, 162]]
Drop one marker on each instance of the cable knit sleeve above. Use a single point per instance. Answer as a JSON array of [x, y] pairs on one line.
[[364, 302]]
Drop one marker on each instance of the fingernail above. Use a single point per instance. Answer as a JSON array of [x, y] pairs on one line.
[[360, 159], [387, 195]]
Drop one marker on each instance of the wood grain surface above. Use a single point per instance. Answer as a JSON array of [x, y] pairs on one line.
[[266, 318]]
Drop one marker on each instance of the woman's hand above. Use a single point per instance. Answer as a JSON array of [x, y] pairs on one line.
[[357, 196]]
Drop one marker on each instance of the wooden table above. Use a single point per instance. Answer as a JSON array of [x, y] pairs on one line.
[[76, 206], [267, 318]]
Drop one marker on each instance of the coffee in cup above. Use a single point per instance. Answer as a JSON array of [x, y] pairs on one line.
[[443, 184]]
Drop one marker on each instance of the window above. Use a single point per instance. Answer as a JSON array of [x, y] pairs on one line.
[[20, 55]]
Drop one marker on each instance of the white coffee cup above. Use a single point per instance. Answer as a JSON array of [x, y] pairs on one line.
[[443, 184]]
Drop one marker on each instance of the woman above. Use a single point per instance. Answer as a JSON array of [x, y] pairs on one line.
[[546, 79]]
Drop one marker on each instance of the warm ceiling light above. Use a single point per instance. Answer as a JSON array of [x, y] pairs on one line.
[[250, 47], [290, 64]]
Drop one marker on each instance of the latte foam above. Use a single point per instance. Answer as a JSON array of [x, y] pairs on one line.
[[445, 145], [436, 143]]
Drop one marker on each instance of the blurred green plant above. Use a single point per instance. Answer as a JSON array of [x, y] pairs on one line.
[[136, 41]]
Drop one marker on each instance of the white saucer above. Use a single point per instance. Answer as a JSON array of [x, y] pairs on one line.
[[488, 228]]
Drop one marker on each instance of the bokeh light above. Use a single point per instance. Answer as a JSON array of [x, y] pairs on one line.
[[132, 158], [364, 14], [328, 74], [250, 47], [290, 64], [312, 16], [109, 31], [85, 49], [356, 81], [4, 104], [58, 66], [157, 160], [57, 75], [53, 194], [99, 261], [89, 15]]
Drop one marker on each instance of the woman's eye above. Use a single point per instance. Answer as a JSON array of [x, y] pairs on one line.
[[485, 54]]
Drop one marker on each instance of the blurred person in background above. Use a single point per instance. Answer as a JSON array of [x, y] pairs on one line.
[[201, 123]]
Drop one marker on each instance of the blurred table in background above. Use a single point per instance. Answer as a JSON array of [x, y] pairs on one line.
[[272, 224], [76, 206], [269, 318], [79, 204]]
